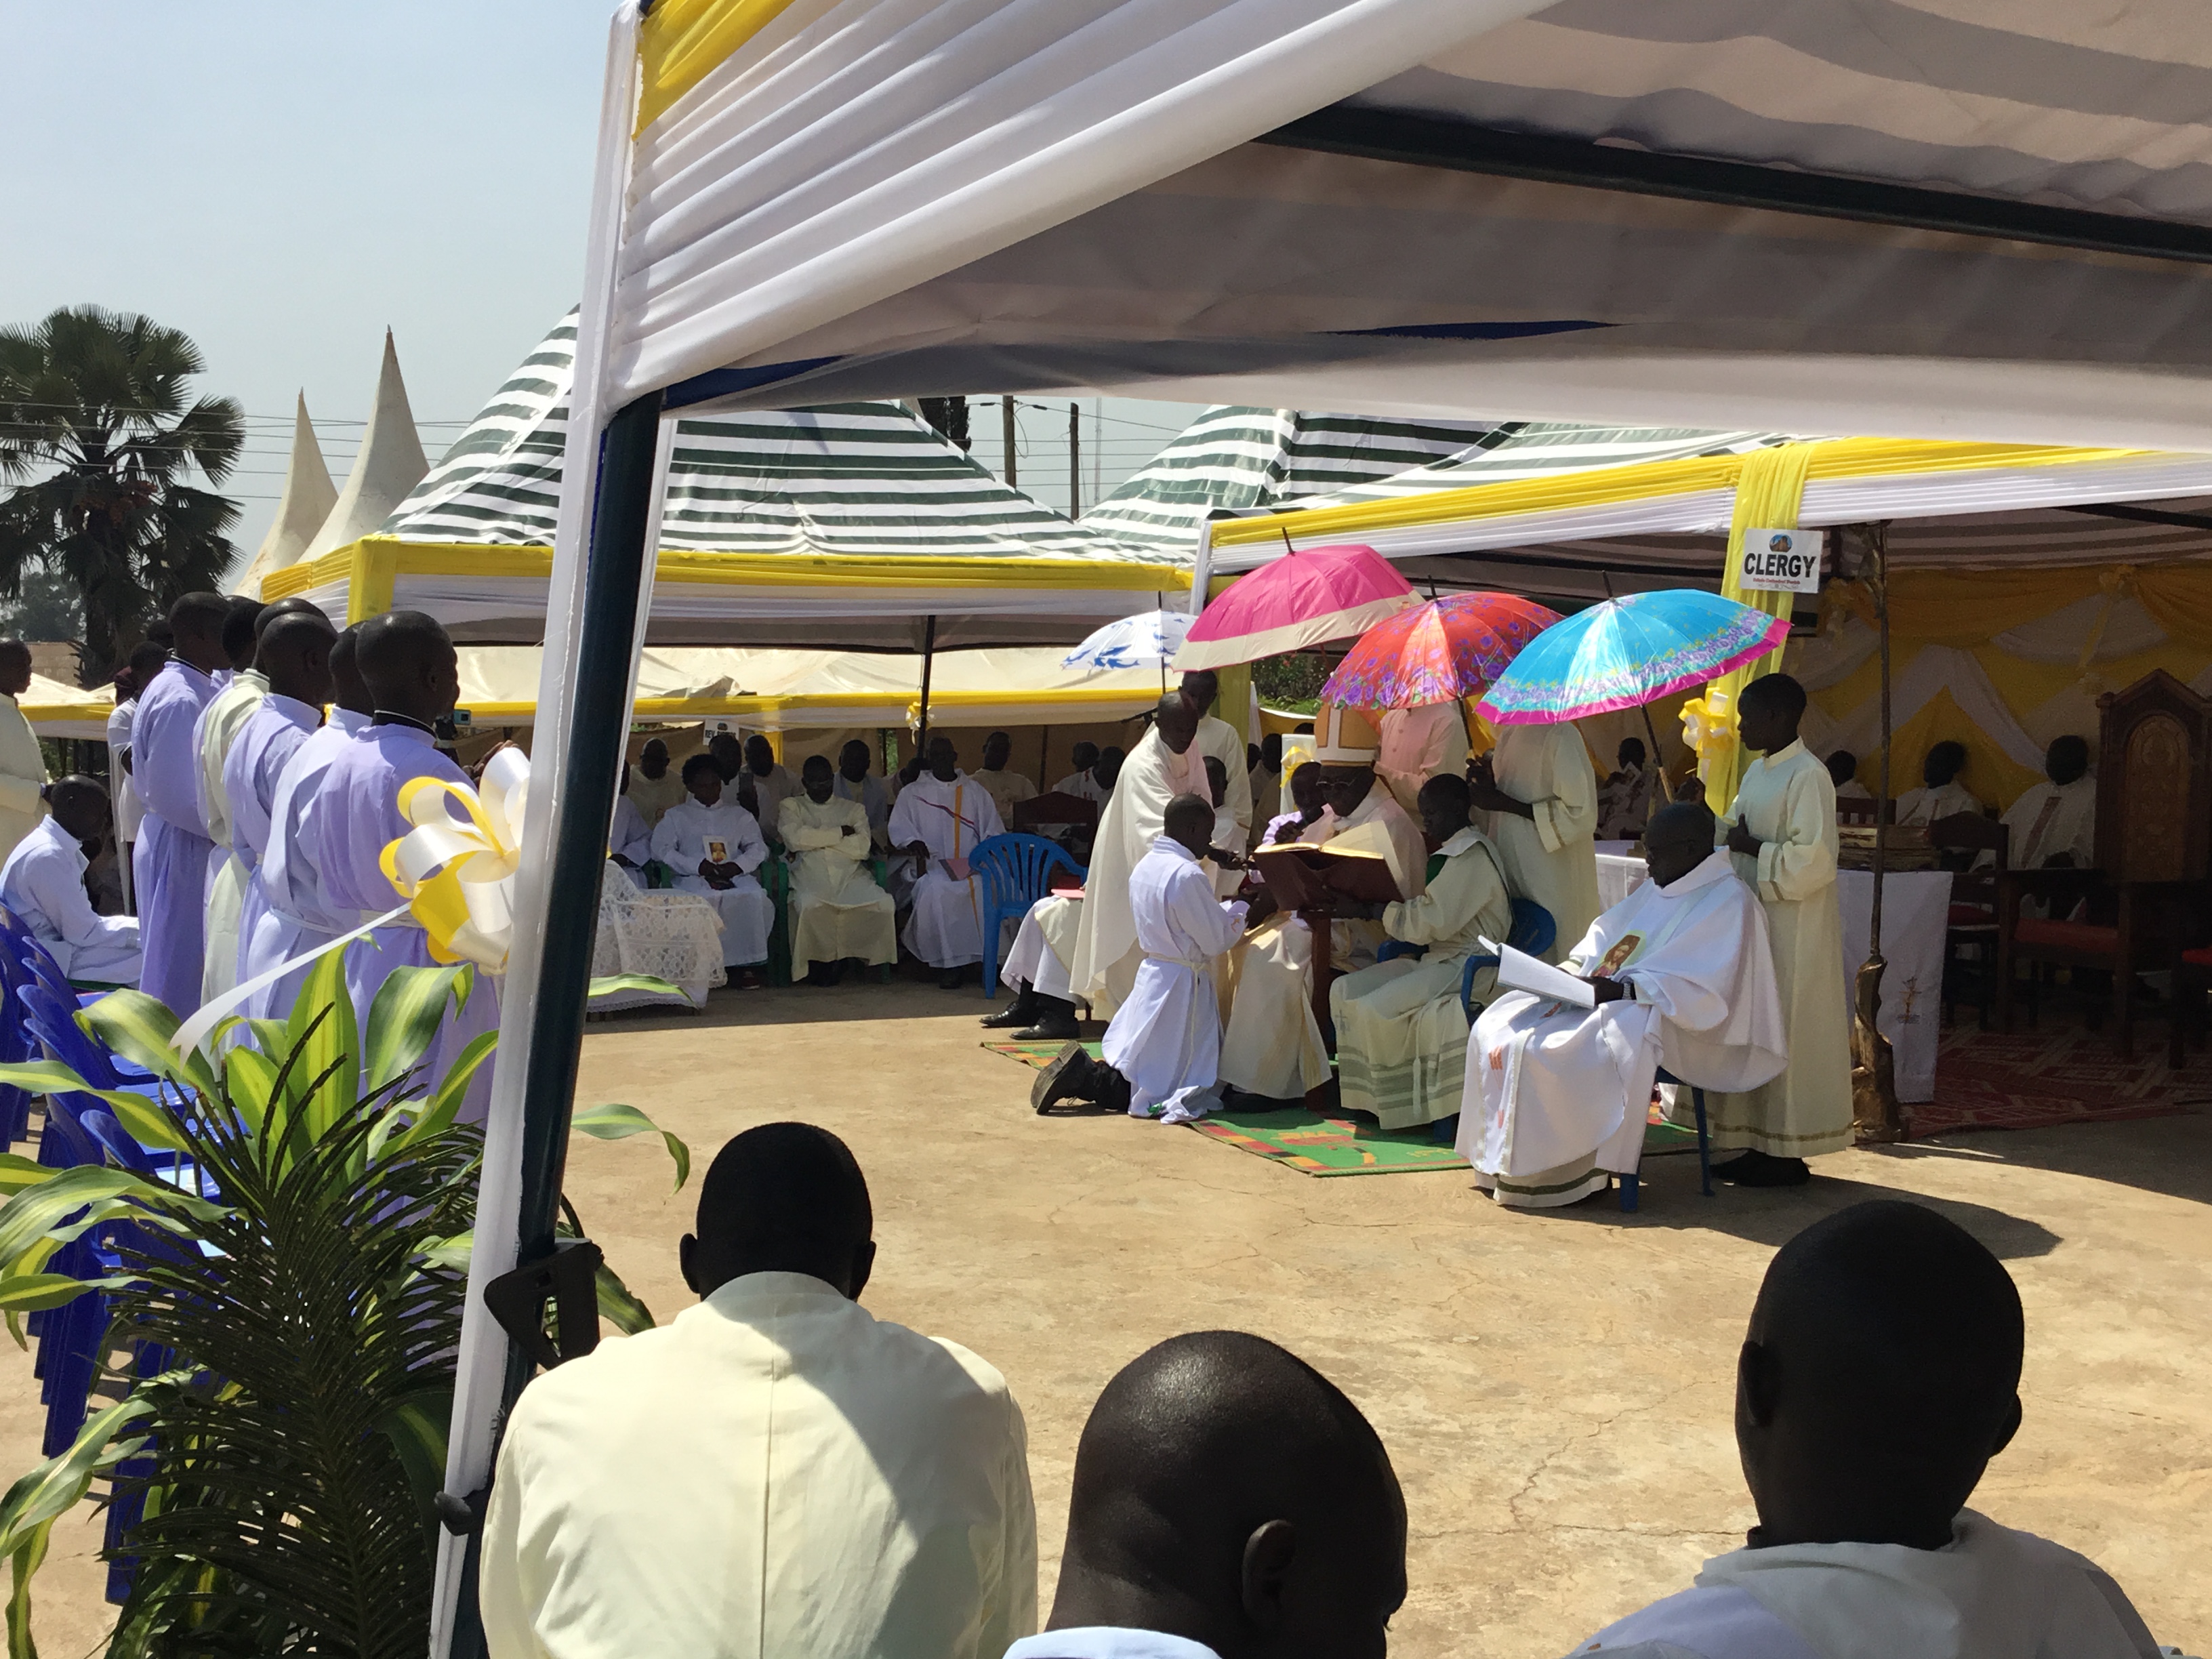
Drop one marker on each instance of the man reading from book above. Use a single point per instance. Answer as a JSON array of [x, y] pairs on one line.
[[1559, 1069]]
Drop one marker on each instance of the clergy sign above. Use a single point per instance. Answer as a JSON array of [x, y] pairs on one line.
[[1782, 561]]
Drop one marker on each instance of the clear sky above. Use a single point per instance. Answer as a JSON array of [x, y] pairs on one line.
[[284, 181]]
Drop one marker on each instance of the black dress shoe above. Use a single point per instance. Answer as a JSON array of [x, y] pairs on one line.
[[1758, 1168], [1023, 1011], [1057, 1026], [1061, 1079], [951, 978]]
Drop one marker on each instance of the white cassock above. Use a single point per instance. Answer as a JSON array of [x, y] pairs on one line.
[[129, 809], [798, 1479], [1100, 959], [296, 918], [1008, 790], [273, 734], [42, 886], [2050, 818], [836, 908], [1557, 1096], [216, 730], [653, 796], [1551, 858], [1166, 1038], [1417, 744], [1273, 1044], [1788, 801], [22, 775], [686, 838], [1989, 1593], [629, 836], [770, 789], [945, 929], [1401, 1025], [1082, 785], [169, 865], [1924, 805], [1219, 738]]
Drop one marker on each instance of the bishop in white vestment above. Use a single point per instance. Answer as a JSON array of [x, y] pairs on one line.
[[837, 911], [1535, 797], [1557, 1096], [941, 818], [714, 845]]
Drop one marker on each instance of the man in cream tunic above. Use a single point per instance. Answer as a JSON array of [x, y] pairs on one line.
[[1781, 833], [1201, 689], [22, 763], [1557, 1096], [1273, 1044], [1400, 1026], [837, 910], [1536, 797]]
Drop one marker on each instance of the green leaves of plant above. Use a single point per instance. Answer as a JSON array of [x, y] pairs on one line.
[[47, 1493], [404, 1020], [613, 1122]]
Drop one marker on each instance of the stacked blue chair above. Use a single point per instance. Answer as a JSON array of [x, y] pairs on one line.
[[1016, 871]]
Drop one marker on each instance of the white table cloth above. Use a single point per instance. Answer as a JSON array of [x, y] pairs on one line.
[[1916, 907]]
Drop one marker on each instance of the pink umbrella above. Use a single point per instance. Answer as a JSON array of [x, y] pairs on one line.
[[1307, 596]]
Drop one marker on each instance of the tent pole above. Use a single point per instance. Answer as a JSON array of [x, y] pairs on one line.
[[622, 536], [928, 652], [1006, 436], [1074, 462]]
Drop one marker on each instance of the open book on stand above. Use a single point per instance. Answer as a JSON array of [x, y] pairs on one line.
[[1354, 864]]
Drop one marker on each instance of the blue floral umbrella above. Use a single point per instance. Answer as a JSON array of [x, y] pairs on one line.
[[1628, 652]]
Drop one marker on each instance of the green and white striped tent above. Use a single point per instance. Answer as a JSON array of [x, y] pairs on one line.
[[843, 524]]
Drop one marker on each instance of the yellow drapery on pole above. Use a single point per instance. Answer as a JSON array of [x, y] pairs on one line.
[[1768, 492], [1234, 701]]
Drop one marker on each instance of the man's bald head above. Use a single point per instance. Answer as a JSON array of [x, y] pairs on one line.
[[1200, 688], [348, 689], [80, 805], [782, 1198], [240, 627], [1188, 820], [196, 630], [146, 660], [15, 668], [294, 652], [1678, 839], [1880, 1375], [408, 661], [1177, 721], [1227, 1493]]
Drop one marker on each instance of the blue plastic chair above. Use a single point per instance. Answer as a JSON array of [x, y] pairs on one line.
[[1016, 871]]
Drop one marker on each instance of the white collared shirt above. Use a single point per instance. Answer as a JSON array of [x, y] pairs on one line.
[[1108, 1642]]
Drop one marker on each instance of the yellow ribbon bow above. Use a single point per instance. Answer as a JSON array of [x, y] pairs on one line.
[[458, 873], [1709, 728]]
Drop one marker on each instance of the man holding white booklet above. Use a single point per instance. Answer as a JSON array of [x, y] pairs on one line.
[[1680, 974]]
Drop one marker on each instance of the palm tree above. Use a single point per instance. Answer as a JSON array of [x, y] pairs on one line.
[[97, 440]]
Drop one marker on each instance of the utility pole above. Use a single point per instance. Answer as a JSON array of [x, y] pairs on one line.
[[1006, 436], [1075, 461]]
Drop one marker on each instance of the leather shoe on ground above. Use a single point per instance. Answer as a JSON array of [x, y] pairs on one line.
[[1061, 1079]]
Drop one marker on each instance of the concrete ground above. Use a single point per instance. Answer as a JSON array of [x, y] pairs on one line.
[[1555, 1388]]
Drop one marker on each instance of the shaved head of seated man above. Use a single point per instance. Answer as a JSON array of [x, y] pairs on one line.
[[773, 1473], [1680, 975], [1229, 1503], [1879, 1376]]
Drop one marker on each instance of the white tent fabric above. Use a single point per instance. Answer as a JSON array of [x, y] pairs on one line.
[[307, 498], [389, 464]]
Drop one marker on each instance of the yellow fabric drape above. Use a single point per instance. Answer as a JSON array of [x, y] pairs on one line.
[[1967, 608], [1768, 493], [1234, 702], [1992, 774]]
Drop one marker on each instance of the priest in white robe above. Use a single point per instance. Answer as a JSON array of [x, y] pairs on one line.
[[1008, 788], [1401, 1024], [938, 820], [1266, 779], [654, 786], [1162, 1047], [22, 763], [838, 914], [629, 839], [170, 864], [296, 917], [2053, 824], [1557, 1096], [42, 886], [1535, 797], [766, 780], [1274, 1046], [1201, 690], [714, 845], [1419, 743], [293, 658], [1781, 832], [1940, 794]]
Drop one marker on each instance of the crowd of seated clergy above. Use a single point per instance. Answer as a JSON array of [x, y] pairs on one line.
[[796, 1476]]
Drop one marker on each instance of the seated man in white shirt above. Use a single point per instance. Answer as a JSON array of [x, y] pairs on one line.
[[42, 886], [774, 1473], [1879, 1376], [1557, 1096], [1844, 772], [1942, 795], [714, 845], [1228, 1501], [629, 839], [2053, 826]]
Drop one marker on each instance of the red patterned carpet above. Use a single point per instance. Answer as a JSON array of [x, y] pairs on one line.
[[1985, 1081]]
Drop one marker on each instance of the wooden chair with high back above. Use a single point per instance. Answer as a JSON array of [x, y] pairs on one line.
[[1971, 926], [2154, 850]]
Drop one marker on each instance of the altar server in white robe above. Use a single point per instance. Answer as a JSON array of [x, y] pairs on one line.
[[294, 658], [1201, 689], [837, 912], [1162, 1047], [170, 865], [1273, 1044], [714, 845], [296, 918], [1535, 797], [1880, 1378], [213, 735], [42, 886], [414, 678], [1557, 1096], [22, 763], [1782, 831], [1069, 950], [1401, 1024], [938, 820], [2053, 824]]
